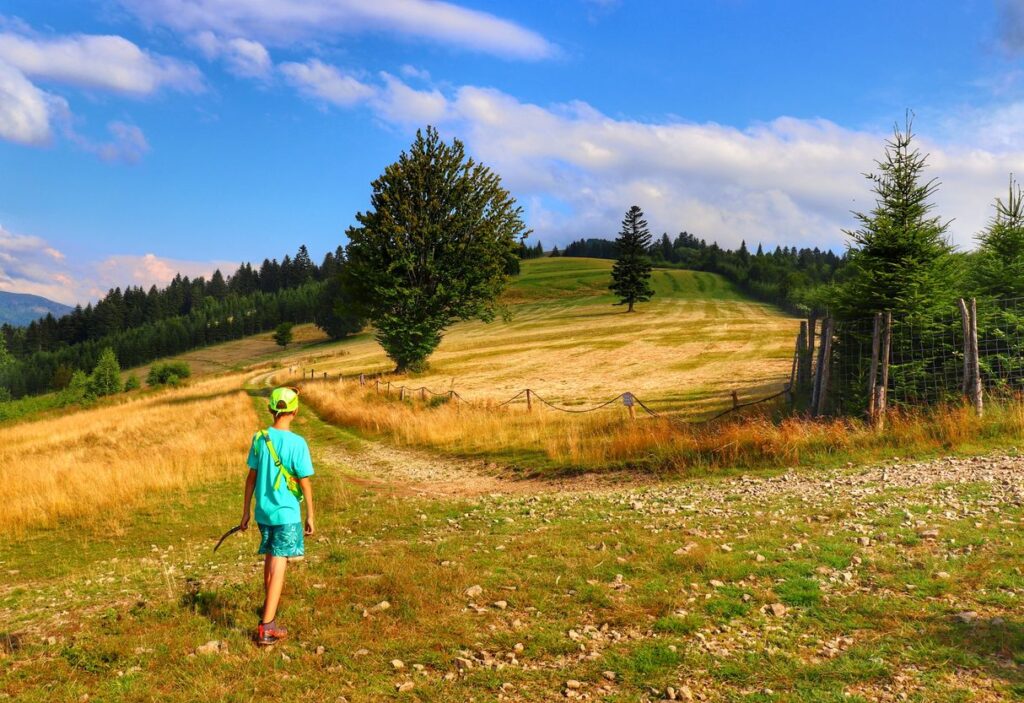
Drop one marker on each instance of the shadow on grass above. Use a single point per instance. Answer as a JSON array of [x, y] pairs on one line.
[[209, 604], [993, 645]]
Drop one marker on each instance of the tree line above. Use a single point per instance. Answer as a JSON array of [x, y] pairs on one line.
[[792, 278], [119, 311]]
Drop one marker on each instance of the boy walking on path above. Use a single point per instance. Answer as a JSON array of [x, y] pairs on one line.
[[279, 471]]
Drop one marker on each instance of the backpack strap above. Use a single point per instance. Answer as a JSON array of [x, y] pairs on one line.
[[291, 481]]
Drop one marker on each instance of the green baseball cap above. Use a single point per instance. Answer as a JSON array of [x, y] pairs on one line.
[[284, 400]]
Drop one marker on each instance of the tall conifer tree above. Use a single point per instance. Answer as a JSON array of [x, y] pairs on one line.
[[631, 273], [900, 259]]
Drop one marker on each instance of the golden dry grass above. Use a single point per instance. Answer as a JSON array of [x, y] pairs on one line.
[[686, 350], [546, 439], [242, 352], [99, 460]]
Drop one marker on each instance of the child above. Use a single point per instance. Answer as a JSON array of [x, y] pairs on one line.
[[279, 471]]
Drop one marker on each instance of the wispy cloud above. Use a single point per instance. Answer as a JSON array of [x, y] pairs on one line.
[[326, 83], [32, 116], [792, 181], [243, 57], [281, 22], [24, 109], [104, 62], [29, 264]]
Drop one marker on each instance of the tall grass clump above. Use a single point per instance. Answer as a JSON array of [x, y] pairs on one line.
[[548, 441]]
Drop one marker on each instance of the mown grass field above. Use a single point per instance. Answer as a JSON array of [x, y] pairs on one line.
[[884, 582], [686, 350]]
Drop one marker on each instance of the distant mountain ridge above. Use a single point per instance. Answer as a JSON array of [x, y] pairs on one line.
[[21, 308]]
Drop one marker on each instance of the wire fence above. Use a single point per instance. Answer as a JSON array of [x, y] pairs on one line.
[[929, 361], [527, 396]]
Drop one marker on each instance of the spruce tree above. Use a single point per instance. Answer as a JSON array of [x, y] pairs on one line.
[[631, 273], [900, 259], [998, 270]]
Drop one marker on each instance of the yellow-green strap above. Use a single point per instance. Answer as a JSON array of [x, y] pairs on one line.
[[291, 480]]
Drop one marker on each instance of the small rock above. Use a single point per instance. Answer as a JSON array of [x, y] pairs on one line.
[[500, 604], [864, 541], [759, 558], [397, 664], [573, 685], [942, 575], [715, 583], [474, 591], [406, 686], [360, 652], [968, 616], [463, 664], [320, 650], [776, 609], [608, 675], [211, 647]]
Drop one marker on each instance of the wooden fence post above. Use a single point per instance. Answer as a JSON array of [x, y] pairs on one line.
[[975, 362], [801, 352], [972, 363], [824, 364], [376, 386], [812, 325], [965, 318], [423, 393], [882, 390], [816, 385], [401, 393], [873, 375], [735, 401], [362, 379], [529, 400]]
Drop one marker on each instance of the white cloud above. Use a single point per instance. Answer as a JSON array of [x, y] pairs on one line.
[[128, 143], [24, 109], [327, 83], [397, 103], [97, 61], [243, 57], [29, 264], [788, 181], [281, 22]]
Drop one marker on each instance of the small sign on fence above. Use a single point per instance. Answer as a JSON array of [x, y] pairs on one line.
[[628, 400]]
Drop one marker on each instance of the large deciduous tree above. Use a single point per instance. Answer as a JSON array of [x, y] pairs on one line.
[[631, 273], [434, 248]]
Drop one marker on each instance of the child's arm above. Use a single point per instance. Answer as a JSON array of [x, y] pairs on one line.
[[307, 493], [250, 486]]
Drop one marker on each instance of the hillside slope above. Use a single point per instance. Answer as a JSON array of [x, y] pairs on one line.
[[695, 342]]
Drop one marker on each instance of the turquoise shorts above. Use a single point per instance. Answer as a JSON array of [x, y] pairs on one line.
[[282, 540]]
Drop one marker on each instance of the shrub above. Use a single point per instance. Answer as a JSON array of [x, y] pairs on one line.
[[283, 334], [168, 373], [79, 389], [106, 377], [132, 383]]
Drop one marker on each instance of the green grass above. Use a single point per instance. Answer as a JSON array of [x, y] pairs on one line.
[[127, 605]]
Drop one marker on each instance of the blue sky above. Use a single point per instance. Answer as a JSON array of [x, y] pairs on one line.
[[142, 137]]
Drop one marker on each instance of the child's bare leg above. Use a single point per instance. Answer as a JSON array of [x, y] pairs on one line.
[[274, 573]]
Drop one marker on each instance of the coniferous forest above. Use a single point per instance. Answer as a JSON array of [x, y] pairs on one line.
[[142, 325]]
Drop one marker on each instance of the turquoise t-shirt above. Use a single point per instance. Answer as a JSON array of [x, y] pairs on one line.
[[278, 507]]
